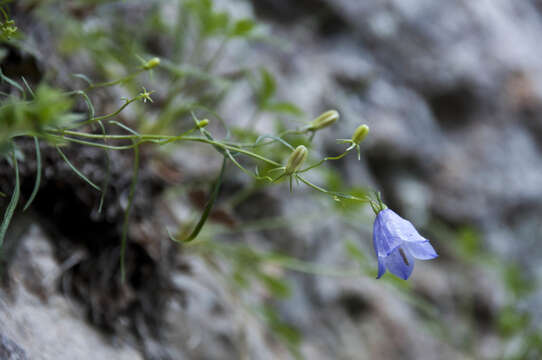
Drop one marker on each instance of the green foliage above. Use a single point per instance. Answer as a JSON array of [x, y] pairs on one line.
[[211, 22], [287, 333], [469, 242], [511, 321], [242, 28], [8, 30], [266, 92], [49, 108], [268, 87], [518, 284], [189, 88]]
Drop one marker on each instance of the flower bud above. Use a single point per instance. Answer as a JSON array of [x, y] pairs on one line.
[[203, 123], [151, 63], [324, 120], [360, 134], [296, 159]]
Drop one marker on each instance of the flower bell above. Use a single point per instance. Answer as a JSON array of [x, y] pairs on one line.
[[324, 120], [361, 133], [397, 244], [296, 159]]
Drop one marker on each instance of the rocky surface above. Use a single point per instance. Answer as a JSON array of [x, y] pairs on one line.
[[452, 92], [37, 321]]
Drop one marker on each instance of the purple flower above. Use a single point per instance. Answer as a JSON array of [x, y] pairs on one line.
[[397, 244]]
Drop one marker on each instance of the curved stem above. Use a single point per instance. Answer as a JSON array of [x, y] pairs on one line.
[[324, 160], [333, 193]]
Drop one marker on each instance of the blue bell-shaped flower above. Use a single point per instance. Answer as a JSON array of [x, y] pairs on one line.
[[397, 244]]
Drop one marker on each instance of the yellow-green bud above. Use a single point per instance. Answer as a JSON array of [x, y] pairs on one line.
[[296, 159], [324, 120], [151, 63], [203, 123], [360, 134]]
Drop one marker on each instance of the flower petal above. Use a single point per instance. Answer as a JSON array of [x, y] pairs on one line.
[[421, 250], [397, 227], [399, 263], [383, 241], [381, 267]]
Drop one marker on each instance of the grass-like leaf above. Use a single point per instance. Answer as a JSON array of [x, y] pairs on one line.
[[84, 78], [28, 87], [38, 175], [12, 203], [208, 207], [105, 184], [122, 126], [75, 170], [11, 82], [91, 111]]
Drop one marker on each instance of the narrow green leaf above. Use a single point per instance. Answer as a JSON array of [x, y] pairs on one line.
[[208, 207], [105, 184], [12, 203], [242, 27], [283, 107], [276, 286], [38, 175], [121, 125], [268, 87], [83, 77], [79, 173], [11, 82], [91, 111], [28, 87]]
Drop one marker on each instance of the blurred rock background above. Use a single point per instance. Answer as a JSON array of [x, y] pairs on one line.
[[452, 93]]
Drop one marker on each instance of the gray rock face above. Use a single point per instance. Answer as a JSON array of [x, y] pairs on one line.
[[10, 350], [452, 91], [41, 323]]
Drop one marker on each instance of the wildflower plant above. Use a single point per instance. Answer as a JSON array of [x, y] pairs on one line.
[[45, 114], [182, 111]]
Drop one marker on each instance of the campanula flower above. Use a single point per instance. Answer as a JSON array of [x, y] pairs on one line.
[[397, 244]]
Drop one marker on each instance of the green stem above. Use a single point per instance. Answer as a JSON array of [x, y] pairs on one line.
[[154, 138], [116, 82], [332, 193], [324, 160]]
